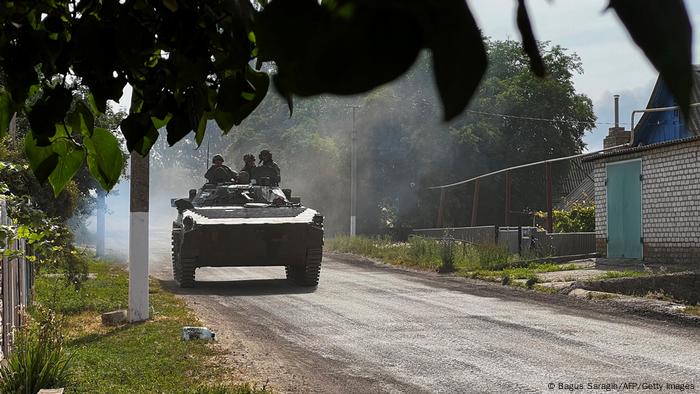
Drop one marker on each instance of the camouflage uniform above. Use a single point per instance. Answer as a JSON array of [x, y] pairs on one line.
[[271, 170], [219, 174]]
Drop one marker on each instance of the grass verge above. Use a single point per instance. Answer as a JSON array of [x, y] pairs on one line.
[[622, 274], [692, 310], [488, 262], [133, 358]]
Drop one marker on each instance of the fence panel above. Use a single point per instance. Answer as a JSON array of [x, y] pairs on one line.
[[474, 235], [568, 244], [508, 240], [15, 287], [547, 244]]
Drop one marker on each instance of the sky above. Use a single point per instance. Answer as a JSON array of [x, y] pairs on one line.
[[612, 63]]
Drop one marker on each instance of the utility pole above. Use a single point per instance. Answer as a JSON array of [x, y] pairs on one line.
[[353, 176], [138, 239]]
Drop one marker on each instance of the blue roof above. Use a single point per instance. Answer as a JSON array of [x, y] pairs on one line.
[[654, 127]]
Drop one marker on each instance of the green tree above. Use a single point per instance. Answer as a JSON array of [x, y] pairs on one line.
[[402, 151], [190, 61]]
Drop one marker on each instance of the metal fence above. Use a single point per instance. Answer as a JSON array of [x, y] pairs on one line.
[[520, 240], [474, 235], [15, 286]]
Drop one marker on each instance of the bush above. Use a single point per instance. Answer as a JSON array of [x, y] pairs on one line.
[[580, 218], [447, 255], [38, 360]]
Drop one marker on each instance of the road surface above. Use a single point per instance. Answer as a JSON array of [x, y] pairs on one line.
[[375, 328]]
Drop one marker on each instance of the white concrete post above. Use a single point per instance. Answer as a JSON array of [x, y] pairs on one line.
[[138, 239], [353, 176]]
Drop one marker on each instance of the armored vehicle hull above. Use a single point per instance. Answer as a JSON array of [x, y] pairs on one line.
[[249, 234]]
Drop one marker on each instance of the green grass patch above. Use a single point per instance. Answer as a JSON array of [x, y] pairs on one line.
[[545, 289], [487, 262], [622, 274], [692, 310], [424, 253], [133, 358]]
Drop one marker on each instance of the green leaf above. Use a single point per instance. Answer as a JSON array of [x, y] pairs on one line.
[[224, 120], [661, 28], [6, 111], [160, 123], [50, 109], [171, 5], [459, 56], [318, 50], [529, 41], [69, 162], [105, 158], [139, 132], [92, 104], [178, 127], [42, 159], [201, 129], [81, 119]]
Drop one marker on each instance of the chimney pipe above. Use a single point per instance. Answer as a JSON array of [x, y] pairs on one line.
[[617, 110]]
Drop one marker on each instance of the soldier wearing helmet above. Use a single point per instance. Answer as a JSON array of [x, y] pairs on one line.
[[249, 163], [269, 167], [218, 172]]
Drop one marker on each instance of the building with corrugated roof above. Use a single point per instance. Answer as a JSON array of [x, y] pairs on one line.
[[647, 191]]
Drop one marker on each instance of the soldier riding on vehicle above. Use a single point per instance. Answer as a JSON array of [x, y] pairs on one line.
[[218, 172], [267, 169]]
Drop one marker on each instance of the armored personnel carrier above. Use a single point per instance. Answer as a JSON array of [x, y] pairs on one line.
[[233, 225]]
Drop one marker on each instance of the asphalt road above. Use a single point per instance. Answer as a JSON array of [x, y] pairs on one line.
[[375, 328]]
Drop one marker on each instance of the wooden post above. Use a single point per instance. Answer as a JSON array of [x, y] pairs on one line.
[[507, 204], [441, 208], [475, 202], [550, 222], [138, 239]]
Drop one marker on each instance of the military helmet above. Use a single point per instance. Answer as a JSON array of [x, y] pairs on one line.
[[248, 157], [217, 158], [264, 153]]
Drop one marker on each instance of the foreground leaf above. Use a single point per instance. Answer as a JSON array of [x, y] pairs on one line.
[[140, 133], [70, 159], [42, 159], [49, 110], [105, 159], [459, 55], [661, 28], [80, 119], [529, 42]]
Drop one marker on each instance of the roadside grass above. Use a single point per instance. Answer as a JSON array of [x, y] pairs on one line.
[[488, 262], [133, 358], [622, 274], [424, 253], [692, 310]]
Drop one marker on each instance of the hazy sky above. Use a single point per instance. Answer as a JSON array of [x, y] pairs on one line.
[[612, 63]]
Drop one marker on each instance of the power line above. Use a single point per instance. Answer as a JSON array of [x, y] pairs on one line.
[[537, 119]]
